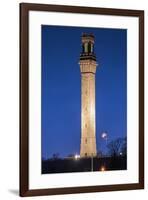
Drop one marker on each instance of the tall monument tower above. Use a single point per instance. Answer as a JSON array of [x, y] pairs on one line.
[[88, 66]]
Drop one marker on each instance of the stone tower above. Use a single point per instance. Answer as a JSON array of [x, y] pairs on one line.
[[88, 66]]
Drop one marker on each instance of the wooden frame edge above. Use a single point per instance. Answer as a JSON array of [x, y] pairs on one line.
[[24, 179]]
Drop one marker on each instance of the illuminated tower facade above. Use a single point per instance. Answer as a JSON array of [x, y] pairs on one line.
[[88, 66]]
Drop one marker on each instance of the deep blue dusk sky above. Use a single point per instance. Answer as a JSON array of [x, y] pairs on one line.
[[61, 87]]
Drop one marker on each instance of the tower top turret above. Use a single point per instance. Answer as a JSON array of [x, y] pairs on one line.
[[87, 52]]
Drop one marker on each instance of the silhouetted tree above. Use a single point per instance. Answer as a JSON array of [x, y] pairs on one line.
[[55, 156], [99, 154], [124, 147], [115, 146], [71, 155]]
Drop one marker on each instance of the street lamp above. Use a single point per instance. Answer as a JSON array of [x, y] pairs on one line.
[[103, 168], [76, 156], [104, 136]]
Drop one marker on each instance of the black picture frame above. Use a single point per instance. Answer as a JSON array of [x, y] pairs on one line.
[[24, 96]]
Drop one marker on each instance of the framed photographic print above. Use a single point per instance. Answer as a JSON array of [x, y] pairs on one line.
[[81, 99]]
